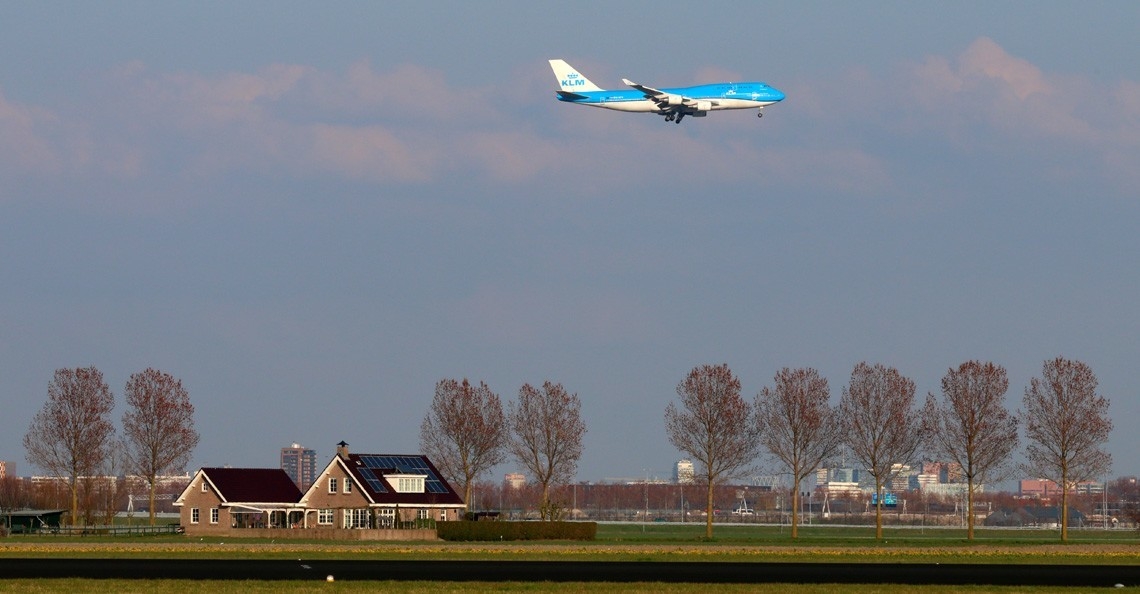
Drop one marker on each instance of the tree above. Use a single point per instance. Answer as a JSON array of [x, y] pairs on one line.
[[464, 432], [714, 426], [883, 429], [1066, 425], [971, 427], [158, 427], [546, 431], [71, 434], [799, 427]]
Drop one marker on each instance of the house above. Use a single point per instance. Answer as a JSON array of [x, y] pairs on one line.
[[379, 491], [219, 500], [356, 496]]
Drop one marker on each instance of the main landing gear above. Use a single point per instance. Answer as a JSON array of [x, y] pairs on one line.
[[759, 114]]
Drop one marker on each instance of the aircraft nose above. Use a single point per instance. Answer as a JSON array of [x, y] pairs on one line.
[[777, 94]]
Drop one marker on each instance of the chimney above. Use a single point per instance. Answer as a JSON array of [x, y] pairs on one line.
[[342, 450]]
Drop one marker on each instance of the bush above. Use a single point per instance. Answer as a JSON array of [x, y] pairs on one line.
[[497, 531]]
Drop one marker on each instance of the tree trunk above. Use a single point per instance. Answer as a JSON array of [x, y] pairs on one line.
[[1064, 513], [74, 501], [709, 512], [879, 511], [795, 511], [153, 488], [970, 508]]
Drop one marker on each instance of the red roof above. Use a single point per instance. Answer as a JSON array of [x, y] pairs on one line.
[[253, 485]]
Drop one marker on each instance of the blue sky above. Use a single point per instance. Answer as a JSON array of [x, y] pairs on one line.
[[312, 214]]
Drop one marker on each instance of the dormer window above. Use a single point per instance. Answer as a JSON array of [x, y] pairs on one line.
[[407, 483]]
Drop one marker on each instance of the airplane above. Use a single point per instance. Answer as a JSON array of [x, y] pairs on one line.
[[673, 103]]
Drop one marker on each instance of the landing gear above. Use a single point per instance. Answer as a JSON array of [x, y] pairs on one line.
[[669, 117], [759, 114], [679, 116]]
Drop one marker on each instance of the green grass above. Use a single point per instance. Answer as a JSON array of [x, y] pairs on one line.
[[635, 542], [76, 586]]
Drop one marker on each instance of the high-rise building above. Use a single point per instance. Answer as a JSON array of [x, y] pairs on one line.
[[300, 463], [7, 468], [515, 480], [683, 472]]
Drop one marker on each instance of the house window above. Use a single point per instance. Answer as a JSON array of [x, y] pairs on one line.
[[205, 487], [213, 515], [356, 518], [424, 514], [409, 484], [325, 517], [332, 484], [347, 484], [443, 515], [193, 515], [387, 517]]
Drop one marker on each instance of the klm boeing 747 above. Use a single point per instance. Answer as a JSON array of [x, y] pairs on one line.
[[673, 103]]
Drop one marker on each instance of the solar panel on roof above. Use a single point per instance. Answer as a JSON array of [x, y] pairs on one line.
[[404, 465]]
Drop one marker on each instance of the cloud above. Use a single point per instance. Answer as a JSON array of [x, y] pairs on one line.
[[410, 125], [25, 139]]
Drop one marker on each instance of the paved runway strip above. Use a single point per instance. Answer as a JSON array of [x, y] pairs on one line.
[[572, 571]]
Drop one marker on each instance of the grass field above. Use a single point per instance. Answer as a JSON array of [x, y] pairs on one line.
[[615, 542], [220, 587], [636, 542]]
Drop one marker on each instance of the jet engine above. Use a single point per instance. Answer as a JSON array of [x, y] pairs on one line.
[[676, 100], [704, 105]]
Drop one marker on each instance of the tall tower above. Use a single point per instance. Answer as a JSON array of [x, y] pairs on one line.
[[300, 463], [683, 472]]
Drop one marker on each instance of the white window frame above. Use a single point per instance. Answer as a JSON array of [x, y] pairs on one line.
[[205, 487], [386, 517], [193, 515], [347, 484], [326, 517], [408, 483], [423, 514], [213, 515], [356, 518], [332, 484]]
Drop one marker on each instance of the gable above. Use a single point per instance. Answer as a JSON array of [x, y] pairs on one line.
[[336, 487]]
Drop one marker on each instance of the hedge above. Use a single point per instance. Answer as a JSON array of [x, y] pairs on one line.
[[517, 530]]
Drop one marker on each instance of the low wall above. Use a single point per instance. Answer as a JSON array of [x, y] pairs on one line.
[[334, 534]]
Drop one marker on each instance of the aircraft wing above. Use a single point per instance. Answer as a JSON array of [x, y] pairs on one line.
[[662, 98]]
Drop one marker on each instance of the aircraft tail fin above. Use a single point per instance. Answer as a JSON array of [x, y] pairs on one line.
[[571, 80]]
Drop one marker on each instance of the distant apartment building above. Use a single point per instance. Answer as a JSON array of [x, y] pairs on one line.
[[515, 480], [300, 463], [7, 468], [683, 472], [1045, 488]]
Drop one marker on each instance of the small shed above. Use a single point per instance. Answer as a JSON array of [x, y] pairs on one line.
[[32, 520]]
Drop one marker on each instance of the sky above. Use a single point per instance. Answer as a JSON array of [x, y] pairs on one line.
[[311, 213]]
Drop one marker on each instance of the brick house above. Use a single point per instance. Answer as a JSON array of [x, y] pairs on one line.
[[220, 500], [356, 496], [378, 491]]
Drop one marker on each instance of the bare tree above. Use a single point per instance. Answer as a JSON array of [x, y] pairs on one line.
[[799, 426], [715, 426], [1067, 425], [883, 428], [971, 427], [158, 427], [71, 434], [546, 436], [464, 432]]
